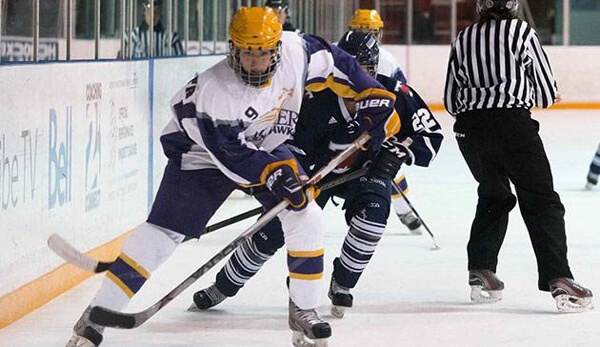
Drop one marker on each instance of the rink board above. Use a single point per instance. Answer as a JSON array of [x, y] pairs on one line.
[[76, 158]]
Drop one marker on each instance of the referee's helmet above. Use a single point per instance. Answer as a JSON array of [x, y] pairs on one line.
[[498, 7]]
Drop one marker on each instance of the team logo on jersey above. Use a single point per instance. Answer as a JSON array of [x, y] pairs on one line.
[[372, 103], [401, 87], [283, 120], [271, 115]]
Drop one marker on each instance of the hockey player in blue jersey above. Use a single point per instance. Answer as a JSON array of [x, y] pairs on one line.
[[367, 199], [369, 21], [594, 173], [228, 131]]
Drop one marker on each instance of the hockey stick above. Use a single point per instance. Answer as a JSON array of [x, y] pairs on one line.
[[410, 205], [115, 319], [71, 255], [435, 245]]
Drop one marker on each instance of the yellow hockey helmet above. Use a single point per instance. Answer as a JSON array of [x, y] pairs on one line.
[[254, 29], [366, 19]]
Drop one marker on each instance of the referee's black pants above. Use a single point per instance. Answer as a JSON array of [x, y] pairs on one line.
[[502, 146]]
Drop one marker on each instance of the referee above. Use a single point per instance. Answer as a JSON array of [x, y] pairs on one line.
[[497, 72], [140, 36]]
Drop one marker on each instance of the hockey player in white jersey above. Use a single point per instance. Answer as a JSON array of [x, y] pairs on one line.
[[366, 199], [228, 130], [370, 21]]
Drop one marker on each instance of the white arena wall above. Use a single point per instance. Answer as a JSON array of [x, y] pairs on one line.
[[80, 155], [576, 69]]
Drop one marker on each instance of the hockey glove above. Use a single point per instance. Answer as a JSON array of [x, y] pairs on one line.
[[388, 161], [284, 182], [341, 139]]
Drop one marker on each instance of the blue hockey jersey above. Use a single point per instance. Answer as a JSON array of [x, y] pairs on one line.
[[324, 119]]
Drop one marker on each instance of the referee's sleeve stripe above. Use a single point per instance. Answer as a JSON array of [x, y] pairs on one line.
[[450, 95], [546, 70]]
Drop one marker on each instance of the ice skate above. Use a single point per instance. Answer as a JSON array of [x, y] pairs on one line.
[[308, 328], [412, 222], [592, 181], [570, 296], [486, 287], [207, 298], [86, 333], [341, 299]]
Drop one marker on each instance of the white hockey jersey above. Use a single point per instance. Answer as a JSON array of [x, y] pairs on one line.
[[388, 66], [220, 122]]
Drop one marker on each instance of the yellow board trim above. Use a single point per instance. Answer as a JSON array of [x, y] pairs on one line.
[[576, 106], [120, 284], [38, 292], [137, 267], [298, 276], [561, 106], [307, 254]]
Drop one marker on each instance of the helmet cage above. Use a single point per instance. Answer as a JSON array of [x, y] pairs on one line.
[[259, 79], [363, 46], [377, 33]]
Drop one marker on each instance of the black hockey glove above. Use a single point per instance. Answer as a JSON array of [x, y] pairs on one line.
[[387, 162], [284, 182]]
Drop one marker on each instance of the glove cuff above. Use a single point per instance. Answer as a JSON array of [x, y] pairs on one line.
[[270, 168]]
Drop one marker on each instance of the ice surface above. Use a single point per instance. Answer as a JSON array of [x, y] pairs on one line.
[[408, 296]]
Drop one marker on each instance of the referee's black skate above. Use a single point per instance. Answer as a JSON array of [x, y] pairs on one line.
[[570, 296], [341, 299], [86, 333], [308, 328], [486, 287], [412, 222], [207, 298]]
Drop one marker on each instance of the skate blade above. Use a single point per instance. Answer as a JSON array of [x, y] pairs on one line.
[[79, 341], [481, 296], [194, 308], [589, 186], [417, 231], [301, 340], [338, 311], [569, 304]]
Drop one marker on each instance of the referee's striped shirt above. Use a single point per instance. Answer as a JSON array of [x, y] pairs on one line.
[[140, 38], [498, 64]]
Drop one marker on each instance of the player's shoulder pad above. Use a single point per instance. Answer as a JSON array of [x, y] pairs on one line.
[[314, 43], [317, 97], [389, 83], [396, 86], [402, 90]]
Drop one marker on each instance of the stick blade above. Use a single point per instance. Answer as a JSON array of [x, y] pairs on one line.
[[112, 319], [63, 249]]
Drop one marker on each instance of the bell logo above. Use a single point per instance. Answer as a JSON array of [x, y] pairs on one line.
[[60, 158]]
